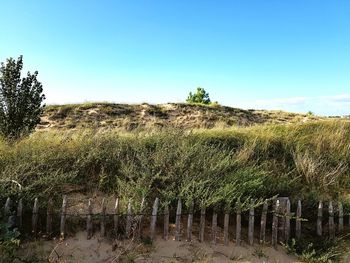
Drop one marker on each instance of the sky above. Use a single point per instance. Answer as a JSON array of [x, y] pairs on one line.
[[290, 55]]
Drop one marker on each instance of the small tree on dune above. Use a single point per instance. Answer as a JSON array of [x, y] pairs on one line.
[[201, 96], [21, 100]]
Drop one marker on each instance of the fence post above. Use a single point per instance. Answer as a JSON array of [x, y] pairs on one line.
[[154, 218], [103, 218], [226, 225], [11, 218], [214, 227], [116, 217], [319, 218], [35, 216], [7, 207], [238, 225], [20, 213], [275, 224], [128, 220], [178, 221], [341, 217], [89, 220], [331, 220], [166, 222], [63, 216], [49, 215], [139, 233], [190, 222], [263, 223], [251, 226], [287, 221], [298, 221], [202, 225]]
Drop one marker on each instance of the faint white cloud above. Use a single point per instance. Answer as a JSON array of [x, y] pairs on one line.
[[283, 101], [344, 98], [323, 105]]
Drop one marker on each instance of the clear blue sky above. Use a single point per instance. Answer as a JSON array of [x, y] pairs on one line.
[[274, 54]]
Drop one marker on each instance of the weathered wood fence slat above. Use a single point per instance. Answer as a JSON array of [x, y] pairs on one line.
[[251, 226], [89, 220], [202, 225], [166, 223], [263, 223], [226, 225], [35, 216], [214, 226], [103, 218], [287, 222], [275, 224], [298, 221], [281, 220], [128, 220], [154, 218], [319, 218], [63, 216], [20, 213], [178, 221], [116, 217], [49, 217], [238, 225], [190, 222], [7, 208], [341, 217], [139, 233], [331, 220]]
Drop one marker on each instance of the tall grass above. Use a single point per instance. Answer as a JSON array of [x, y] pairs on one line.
[[213, 168], [308, 161]]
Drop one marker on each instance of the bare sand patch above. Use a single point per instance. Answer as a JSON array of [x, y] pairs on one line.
[[97, 250]]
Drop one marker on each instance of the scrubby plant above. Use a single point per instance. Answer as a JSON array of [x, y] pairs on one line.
[[20, 100], [9, 242], [318, 249], [201, 97]]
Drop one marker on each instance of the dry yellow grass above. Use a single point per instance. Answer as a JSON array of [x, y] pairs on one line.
[[188, 116]]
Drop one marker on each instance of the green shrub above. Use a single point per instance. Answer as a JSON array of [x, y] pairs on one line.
[[20, 100], [201, 97]]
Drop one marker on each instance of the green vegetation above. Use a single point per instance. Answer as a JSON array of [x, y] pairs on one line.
[[308, 161], [215, 168], [9, 243], [20, 100], [318, 250], [200, 97]]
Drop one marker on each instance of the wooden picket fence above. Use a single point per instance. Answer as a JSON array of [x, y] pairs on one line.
[[280, 229]]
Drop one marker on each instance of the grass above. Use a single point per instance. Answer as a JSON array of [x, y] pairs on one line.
[[181, 115], [308, 161], [215, 168]]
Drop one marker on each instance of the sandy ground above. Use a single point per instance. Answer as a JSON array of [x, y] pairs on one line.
[[97, 250]]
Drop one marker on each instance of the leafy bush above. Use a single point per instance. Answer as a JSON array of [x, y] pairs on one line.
[[318, 250], [9, 242], [20, 100], [201, 97]]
